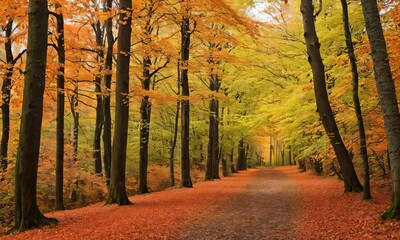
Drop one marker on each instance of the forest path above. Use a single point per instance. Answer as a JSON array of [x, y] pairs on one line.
[[265, 203], [252, 204], [262, 210]]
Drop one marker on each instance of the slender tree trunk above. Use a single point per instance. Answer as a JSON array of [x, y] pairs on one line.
[[212, 170], [283, 156], [60, 113], [356, 99], [185, 49], [145, 111], [99, 99], [98, 129], [241, 162], [388, 99], [271, 148], [276, 152], [5, 109], [233, 170], [75, 115], [174, 140], [106, 97], [221, 153], [6, 97], [6, 94], [117, 190], [290, 155], [173, 144], [73, 101], [27, 213], [351, 182], [215, 133]]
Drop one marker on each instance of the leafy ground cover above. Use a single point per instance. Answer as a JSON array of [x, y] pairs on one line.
[[266, 203]]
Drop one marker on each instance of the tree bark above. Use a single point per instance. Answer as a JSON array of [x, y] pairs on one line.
[[241, 162], [27, 213], [175, 137], [185, 104], [145, 111], [212, 170], [75, 115], [99, 98], [233, 170], [290, 155], [106, 97], [173, 144], [351, 182], [356, 99], [271, 148], [59, 204], [388, 99], [117, 190], [6, 94], [6, 97]]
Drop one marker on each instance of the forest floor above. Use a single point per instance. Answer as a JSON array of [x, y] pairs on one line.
[[264, 203]]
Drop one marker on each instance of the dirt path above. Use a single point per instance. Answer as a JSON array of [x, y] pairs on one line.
[[263, 210], [267, 203]]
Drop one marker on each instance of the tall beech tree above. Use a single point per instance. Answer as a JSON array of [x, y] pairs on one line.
[[6, 91], [212, 168], [98, 29], [73, 99], [151, 56], [117, 190], [241, 161], [356, 98], [388, 99], [108, 64], [60, 48], [351, 182], [27, 213], [186, 32]]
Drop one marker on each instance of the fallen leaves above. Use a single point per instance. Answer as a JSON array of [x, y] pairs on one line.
[[318, 208]]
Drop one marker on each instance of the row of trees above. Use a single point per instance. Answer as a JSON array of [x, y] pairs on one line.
[[142, 38], [386, 93], [226, 81]]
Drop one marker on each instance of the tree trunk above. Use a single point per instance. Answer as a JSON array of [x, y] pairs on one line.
[[233, 170], [351, 182], [173, 144], [60, 113], [75, 115], [106, 97], [223, 160], [224, 167], [241, 162], [290, 155], [145, 111], [6, 97], [212, 170], [27, 213], [215, 133], [283, 156], [185, 48], [99, 103], [117, 190], [271, 148], [388, 99], [98, 129], [356, 99]]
